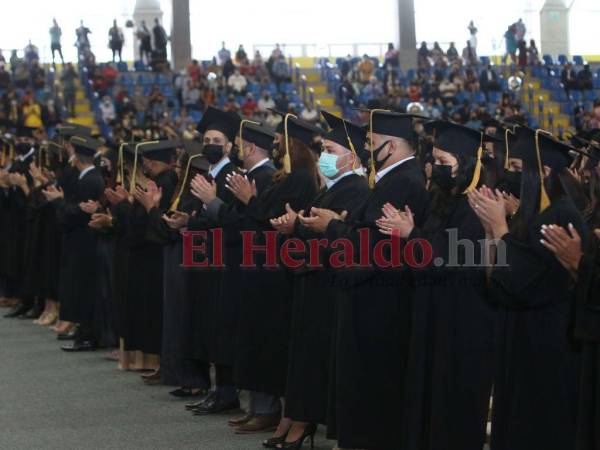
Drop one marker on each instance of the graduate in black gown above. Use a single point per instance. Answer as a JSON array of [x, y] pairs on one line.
[[374, 314], [202, 294], [314, 292], [265, 311], [537, 359], [79, 250], [450, 364]]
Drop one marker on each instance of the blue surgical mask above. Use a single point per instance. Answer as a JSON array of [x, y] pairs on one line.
[[328, 165]]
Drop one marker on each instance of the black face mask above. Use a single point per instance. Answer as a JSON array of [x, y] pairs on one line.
[[213, 153], [234, 156], [441, 175], [512, 182], [379, 164], [23, 147]]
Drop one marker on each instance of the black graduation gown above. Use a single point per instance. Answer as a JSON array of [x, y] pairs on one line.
[[265, 309], [373, 323], [79, 254], [122, 307], [145, 277], [587, 329], [536, 379], [203, 288], [222, 317], [450, 366], [314, 299]]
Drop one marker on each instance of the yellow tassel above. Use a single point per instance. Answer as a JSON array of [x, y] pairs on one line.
[[506, 132], [287, 162], [241, 152], [175, 203], [120, 165], [11, 152], [477, 171], [544, 199], [135, 160]]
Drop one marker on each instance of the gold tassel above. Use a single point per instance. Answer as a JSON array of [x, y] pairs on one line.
[[287, 161], [11, 152], [544, 199], [372, 172], [477, 171], [135, 160], [3, 157], [506, 132], [175, 203], [242, 122], [120, 165]]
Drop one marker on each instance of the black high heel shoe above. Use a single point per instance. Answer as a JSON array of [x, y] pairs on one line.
[[309, 432], [275, 441]]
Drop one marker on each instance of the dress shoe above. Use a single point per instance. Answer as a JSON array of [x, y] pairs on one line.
[[259, 424], [195, 405], [184, 392], [68, 336], [79, 346], [216, 405], [18, 311], [237, 421], [152, 378]]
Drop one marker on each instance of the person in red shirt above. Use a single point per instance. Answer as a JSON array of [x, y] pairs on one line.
[[249, 106], [110, 74], [414, 92]]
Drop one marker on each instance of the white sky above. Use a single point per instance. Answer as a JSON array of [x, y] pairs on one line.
[[324, 24]]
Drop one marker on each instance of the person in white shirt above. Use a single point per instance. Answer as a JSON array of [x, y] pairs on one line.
[[237, 83], [107, 109], [265, 103]]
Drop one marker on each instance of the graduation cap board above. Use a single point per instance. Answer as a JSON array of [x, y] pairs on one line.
[[162, 151], [215, 119], [460, 140], [254, 132], [85, 145], [25, 132], [73, 129], [345, 133]]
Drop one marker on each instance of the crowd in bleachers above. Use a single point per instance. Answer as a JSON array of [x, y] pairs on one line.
[[27, 94]]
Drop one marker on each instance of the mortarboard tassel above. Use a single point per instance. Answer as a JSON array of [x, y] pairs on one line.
[[506, 132], [135, 160], [544, 199], [477, 170], [120, 165], [175, 203], [241, 146], [287, 161]]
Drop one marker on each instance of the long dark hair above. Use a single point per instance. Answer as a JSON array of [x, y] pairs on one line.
[[442, 200], [301, 158], [593, 218]]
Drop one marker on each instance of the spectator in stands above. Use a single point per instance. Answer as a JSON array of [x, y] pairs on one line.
[[194, 70], [107, 110], [391, 56], [533, 54], [209, 97], [469, 55], [437, 54], [237, 83], [160, 40], [21, 76], [594, 121], [145, 45], [265, 103], [471, 82], [68, 78], [141, 102], [390, 79], [249, 106], [31, 53], [38, 76], [51, 114], [183, 121], [423, 56], [4, 78], [115, 40], [432, 109], [373, 89], [452, 53], [366, 67], [282, 102], [241, 58], [345, 66], [520, 30], [83, 41], [272, 120], [448, 90], [156, 102], [488, 81], [15, 61], [414, 91], [110, 74], [568, 78], [309, 114], [585, 78], [280, 72], [32, 113], [191, 96], [55, 37], [224, 54], [510, 42], [231, 105], [277, 53], [228, 69]]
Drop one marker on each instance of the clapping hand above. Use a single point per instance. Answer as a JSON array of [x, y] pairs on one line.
[[395, 222], [241, 187]]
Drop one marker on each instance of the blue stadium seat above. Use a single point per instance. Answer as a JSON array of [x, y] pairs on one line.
[[548, 60], [485, 60], [562, 59], [578, 60], [122, 66], [576, 96]]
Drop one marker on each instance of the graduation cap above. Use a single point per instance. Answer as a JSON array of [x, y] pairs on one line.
[[160, 151], [136, 151], [196, 160], [460, 140], [85, 145], [23, 131], [254, 132], [215, 119], [73, 129], [297, 129], [345, 133]]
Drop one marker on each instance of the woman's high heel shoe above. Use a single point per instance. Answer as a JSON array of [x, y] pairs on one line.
[[309, 432]]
